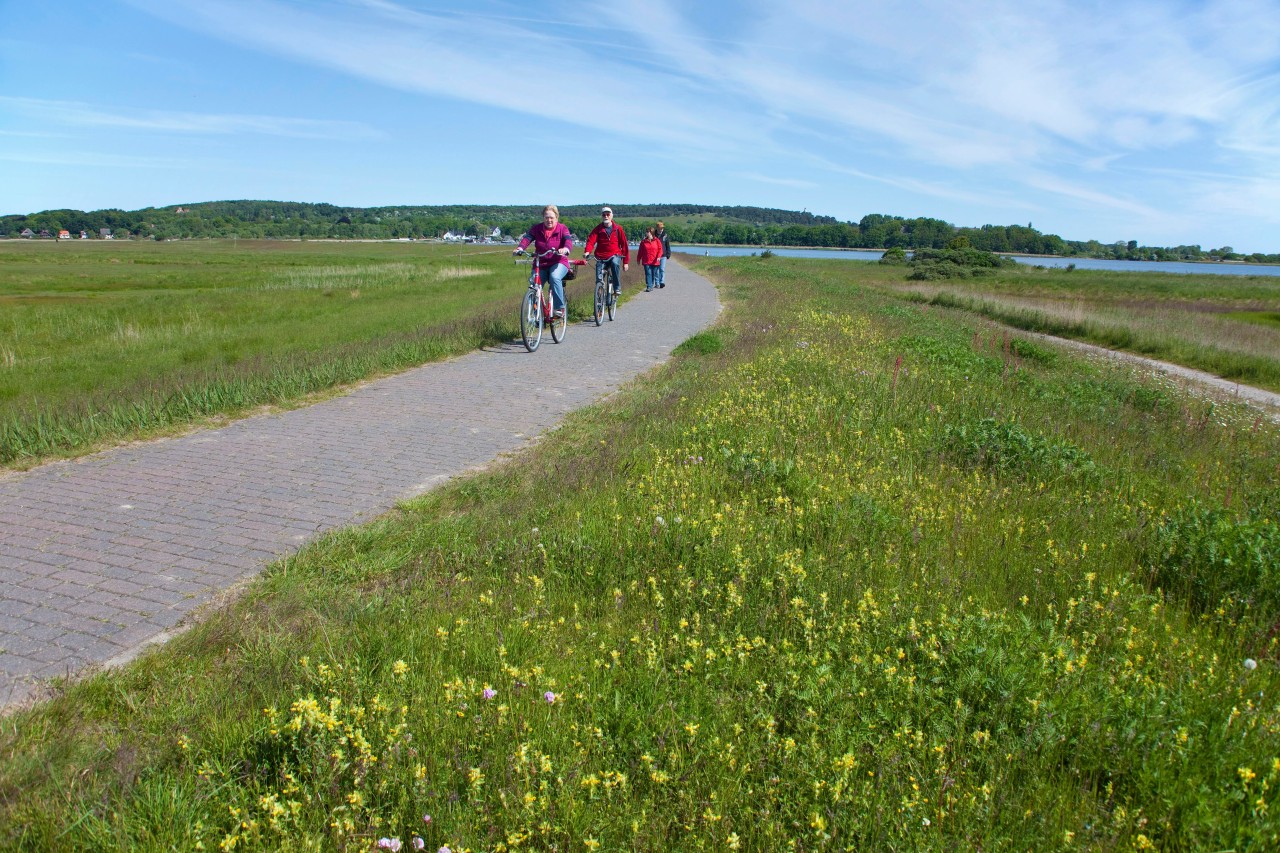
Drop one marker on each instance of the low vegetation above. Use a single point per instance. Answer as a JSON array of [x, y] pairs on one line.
[[958, 260], [111, 341], [848, 573], [1219, 324]]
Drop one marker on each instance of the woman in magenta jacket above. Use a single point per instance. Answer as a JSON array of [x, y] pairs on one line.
[[609, 242], [550, 235], [651, 259]]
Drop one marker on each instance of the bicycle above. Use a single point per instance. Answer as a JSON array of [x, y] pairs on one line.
[[536, 309], [606, 300]]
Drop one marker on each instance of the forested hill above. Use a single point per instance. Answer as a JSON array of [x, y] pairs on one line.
[[686, 223]]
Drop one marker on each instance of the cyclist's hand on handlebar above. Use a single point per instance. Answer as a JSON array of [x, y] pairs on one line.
[[563, 251]]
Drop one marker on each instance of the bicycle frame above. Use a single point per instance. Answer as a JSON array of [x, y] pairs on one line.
[[606, 302], [537, 308]]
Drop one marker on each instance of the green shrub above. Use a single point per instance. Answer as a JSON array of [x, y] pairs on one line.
[[1212, 557], [1034, 352], [948, 356], [972, 258], [1008, 448], [953, 263], [939, 272]]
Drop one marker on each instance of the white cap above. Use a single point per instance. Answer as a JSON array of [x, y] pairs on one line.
[[606, 210]]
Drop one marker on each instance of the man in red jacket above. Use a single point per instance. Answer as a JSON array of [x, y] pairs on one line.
[[609, 242]]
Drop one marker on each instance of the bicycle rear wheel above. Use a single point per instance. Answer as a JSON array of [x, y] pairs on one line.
[[599, 313], [559, 325], [531, 321]]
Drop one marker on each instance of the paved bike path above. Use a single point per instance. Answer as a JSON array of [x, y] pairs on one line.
[[103, 555]]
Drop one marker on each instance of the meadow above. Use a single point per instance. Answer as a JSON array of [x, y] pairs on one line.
[[105, 342], [848, 573], [1226, 325]]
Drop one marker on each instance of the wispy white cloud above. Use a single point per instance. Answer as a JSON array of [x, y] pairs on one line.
[[781, 182], [74, 113], [99, 160], [524, 65]]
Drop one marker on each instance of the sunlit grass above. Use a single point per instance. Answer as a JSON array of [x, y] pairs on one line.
[[344, 277], [452, 273], [112, 342], [1196, 323]]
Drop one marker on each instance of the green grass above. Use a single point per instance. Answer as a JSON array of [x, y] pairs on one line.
[[112, 341], [857, 579], [1265, 318], [1225, 325]]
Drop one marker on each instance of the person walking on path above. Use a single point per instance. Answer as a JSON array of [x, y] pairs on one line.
[[650, 255], [609, 243], [552, 244], [660, 231]]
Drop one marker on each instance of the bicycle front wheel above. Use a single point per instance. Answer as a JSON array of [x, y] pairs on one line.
[[599, 313], [531, 321], [611, 300]]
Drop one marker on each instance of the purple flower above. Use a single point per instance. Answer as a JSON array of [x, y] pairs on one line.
[[489, 693], [418, 843], [549, 696], [426, 818], [391, 844], [444, 850]]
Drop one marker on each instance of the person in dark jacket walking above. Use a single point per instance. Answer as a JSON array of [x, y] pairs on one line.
[[660, 231], [609, 242]]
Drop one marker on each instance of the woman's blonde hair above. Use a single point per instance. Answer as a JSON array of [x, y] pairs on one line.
[[553, 209]]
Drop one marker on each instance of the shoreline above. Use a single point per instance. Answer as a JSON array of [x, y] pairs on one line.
[[1068, 258]]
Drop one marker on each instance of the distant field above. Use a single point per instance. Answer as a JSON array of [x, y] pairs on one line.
[[1226, 325], [103, 341]]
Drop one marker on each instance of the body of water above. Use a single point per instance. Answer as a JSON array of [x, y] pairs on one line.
[[1080, 263]]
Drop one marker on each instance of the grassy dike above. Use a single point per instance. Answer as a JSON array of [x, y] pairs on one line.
[[843, 575]]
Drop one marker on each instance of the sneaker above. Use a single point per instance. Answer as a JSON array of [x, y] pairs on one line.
[[662, 285]]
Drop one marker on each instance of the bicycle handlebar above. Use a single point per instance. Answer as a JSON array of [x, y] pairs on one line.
[[550, 253]]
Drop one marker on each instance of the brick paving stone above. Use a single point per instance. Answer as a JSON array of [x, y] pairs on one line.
[[102, 554]]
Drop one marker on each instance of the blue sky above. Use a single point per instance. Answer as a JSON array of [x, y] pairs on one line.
[[1116, 120]]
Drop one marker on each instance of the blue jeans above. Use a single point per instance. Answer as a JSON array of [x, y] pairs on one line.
[[555, 277], [611, 268], [652, 276], [662, 272]]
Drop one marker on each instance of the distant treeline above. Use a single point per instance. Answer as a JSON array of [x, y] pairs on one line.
[[686, 223]]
